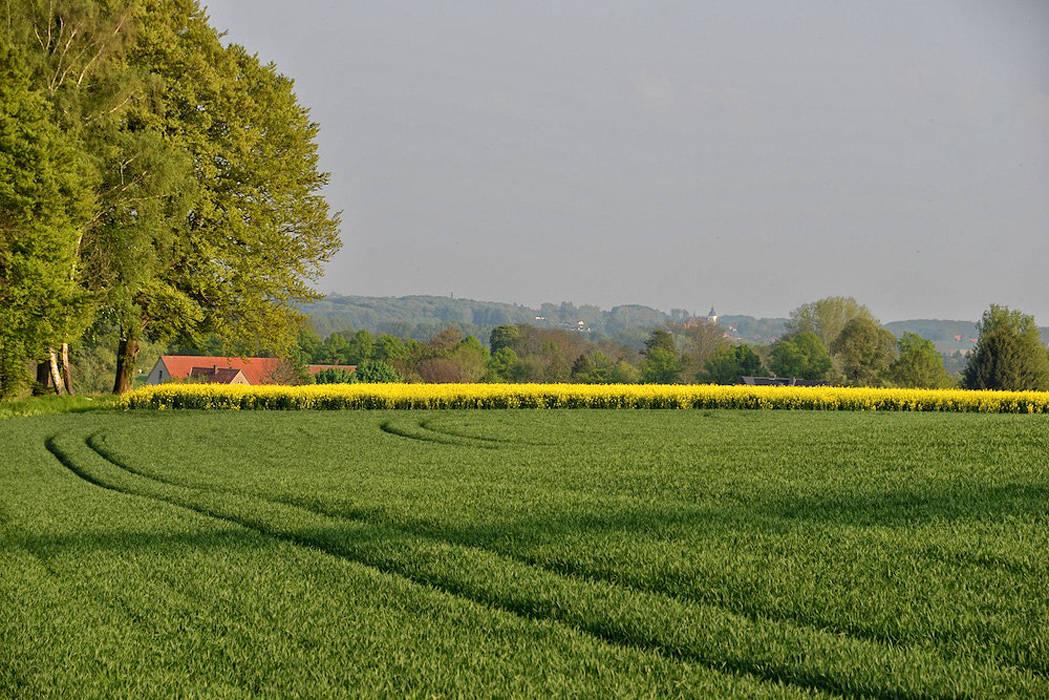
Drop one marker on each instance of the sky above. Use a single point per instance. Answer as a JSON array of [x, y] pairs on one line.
[[750, 155]]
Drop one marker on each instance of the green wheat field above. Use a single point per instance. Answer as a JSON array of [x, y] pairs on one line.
[[524, 553]]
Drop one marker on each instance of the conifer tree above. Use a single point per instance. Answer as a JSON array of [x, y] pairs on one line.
[[1009, 354]]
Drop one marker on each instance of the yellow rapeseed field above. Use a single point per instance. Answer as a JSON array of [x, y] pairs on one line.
[[426, 396]]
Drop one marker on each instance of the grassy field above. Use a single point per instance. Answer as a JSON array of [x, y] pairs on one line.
[[524, 553]]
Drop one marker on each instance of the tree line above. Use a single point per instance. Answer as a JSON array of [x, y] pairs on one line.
[[834, 340], [155, 186]]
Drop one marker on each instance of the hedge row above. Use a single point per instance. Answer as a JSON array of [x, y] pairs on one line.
[[630, 396]]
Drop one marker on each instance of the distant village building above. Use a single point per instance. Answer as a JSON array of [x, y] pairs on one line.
[[711, 319], [252, 371]]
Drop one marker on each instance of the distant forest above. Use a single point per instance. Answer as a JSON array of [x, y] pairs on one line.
[[423, 317]]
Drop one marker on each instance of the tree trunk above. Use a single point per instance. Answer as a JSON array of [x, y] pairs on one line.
[[126, 353], [43, 378], [67, 377], [56, 376]]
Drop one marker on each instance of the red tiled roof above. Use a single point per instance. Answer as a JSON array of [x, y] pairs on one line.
[[216, 375], [257, 370]]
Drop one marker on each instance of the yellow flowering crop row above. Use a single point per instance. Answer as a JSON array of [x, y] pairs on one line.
[[425, 396]]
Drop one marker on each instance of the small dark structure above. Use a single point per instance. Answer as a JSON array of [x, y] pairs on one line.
[[781, 381]]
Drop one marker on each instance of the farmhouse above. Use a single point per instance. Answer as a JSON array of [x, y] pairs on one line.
[[218, 375], [227, 370]]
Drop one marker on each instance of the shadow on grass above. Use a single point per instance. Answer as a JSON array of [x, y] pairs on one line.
[[164, 544], [48, 405], [903, 507]]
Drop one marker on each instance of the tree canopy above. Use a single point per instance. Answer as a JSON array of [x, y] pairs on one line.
[[864, 351], [918, 364], [206, 215], [803, 356], [826, 317], [45, 199], [1009, 354]]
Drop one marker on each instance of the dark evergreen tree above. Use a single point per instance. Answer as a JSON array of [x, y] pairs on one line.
[[1009, 354]]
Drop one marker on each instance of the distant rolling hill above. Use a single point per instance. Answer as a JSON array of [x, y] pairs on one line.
[[422, 317]]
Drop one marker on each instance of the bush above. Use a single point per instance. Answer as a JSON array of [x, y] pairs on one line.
[[335, 375], [377, 372]]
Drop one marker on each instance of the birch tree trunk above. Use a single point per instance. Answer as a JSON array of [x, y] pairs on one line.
[[56, 376], [67, 377]]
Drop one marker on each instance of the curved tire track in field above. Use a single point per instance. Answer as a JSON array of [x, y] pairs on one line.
[[418, 430], [726, 642], [559, 568], [505, 442], [427, 431], [432, 431]]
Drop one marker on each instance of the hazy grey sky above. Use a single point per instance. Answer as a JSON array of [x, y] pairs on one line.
[[750, 154]]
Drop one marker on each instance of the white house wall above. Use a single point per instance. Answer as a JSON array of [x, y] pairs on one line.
[[159, 374]]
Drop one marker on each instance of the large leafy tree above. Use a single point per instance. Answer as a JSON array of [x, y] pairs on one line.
[[826, 317], [662, 365], [73, 51], [257, 230], [45, 199], [803, 356], [918, 364], [731, 363], [865, 351], [594, 368], [209, 218], [1009, 354], [503, 336]]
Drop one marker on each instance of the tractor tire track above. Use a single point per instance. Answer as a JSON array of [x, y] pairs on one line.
[[613, 616], [560, 568]]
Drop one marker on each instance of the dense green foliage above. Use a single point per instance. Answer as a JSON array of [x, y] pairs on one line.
[[802, 355], [724, 554], [174, 183], [334, 375], [45, 199], [865, 351], [826, 317], [1009, 354], [918, 364], [730, 364], [376, 372]]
